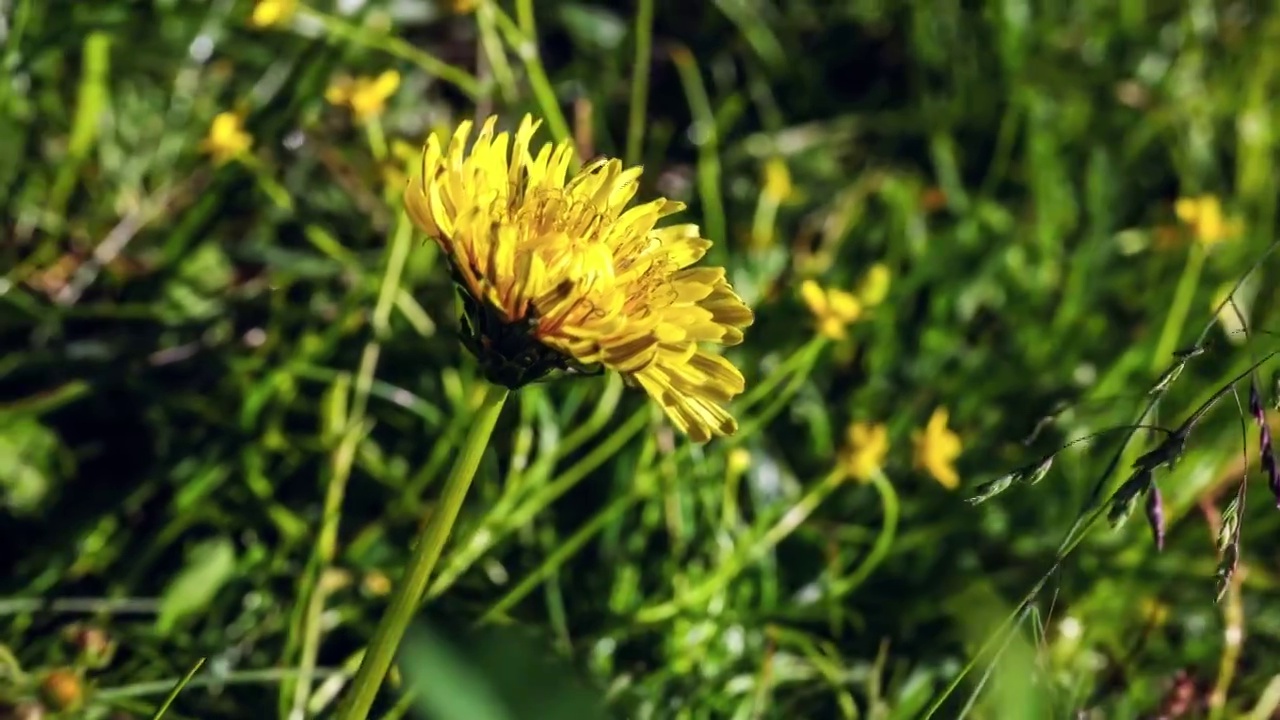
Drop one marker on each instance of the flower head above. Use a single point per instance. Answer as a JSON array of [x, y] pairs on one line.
[[267, 13], [834, 309], [366, 96], [864, 453], [557, 274], [227, 138], [1203, 216], [937, 448]]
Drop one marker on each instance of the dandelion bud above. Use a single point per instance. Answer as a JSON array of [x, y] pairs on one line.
[[62, 689]]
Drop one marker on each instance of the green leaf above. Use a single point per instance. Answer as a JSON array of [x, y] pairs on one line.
[[209, 566], [446, 687]]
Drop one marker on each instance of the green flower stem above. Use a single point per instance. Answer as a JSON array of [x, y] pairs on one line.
[[883, 542], [337, 27], [491, 43], [266, 183], [431, 540], [795, 371], [347, 425], [604, 412], [542, 90], [523, 38], [799, 362], [708, 142], [377, 139], [1177, 317], [638, 116]]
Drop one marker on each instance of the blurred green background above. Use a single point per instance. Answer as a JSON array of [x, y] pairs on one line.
[[224, 412]]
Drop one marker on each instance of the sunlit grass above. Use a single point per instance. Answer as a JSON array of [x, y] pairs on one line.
[[231, 387]]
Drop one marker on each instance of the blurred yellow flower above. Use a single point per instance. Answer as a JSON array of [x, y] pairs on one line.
[[833, 309], [557, 274], [777, 180], [739, 461], [267, 13], [1203, 216], [1155, 612], [462, 7], [874, 287], [402, 156], [227, 138], [865, 450], [366, 96], [936, 449]]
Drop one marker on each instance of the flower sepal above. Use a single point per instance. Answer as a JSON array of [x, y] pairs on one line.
[[509, 354]]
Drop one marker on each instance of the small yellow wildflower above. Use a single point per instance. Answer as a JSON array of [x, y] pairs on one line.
[[874, 287], [366, 96], [267, 13], [557, 275], [1155, 612], [227, 138], [777, 181], [937, 448], [1203, 216], [834, 310], [739, 461], [865, 451]]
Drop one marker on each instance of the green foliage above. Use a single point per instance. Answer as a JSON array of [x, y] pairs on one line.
[[229, 393]]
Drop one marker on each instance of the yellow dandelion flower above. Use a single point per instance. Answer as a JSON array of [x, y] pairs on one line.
[[558, 275], [937, 448], [366, 96], [874, 287], [865, 450], [1203, 216], [267, 13], [227, 138], [834, 310]]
